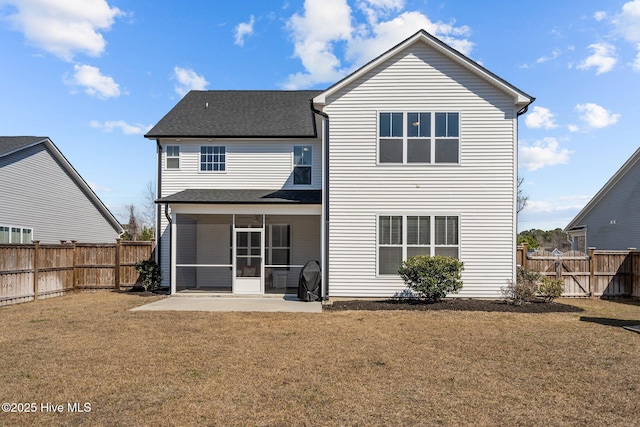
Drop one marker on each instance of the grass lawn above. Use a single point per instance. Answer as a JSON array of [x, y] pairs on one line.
[[334, 368]]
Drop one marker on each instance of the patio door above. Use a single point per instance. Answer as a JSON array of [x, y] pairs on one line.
[[248, 254]]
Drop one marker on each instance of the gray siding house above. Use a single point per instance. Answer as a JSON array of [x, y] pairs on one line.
[[611, 219], [42, 197], [414, 153]]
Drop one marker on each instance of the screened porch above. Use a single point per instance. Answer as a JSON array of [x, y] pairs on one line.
[[243, 254]]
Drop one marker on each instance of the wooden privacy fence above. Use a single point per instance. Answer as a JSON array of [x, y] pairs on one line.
[[36, 271], [596, 274]]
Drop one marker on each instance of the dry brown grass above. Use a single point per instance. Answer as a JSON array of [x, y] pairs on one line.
[[335, 368]]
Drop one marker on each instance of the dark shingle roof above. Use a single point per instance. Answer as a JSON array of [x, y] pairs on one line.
[[306, 197], [238, 113], [12, 143]]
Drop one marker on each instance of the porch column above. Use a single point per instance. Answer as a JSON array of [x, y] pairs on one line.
[[174, 241]]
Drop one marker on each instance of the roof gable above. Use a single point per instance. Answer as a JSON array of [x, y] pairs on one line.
[[236, 114], [626, 167], [521, 99], [13, 144]]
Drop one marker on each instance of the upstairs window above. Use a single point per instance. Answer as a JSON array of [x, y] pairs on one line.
[[302, 164], [418, 137], [173, 157], [213, 158]]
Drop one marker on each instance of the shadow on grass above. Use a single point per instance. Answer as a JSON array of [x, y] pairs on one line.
[[610, 322]]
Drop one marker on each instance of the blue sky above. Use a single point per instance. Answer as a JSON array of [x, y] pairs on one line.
[[95, 75]]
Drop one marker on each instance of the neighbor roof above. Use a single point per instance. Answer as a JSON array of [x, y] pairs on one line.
[[239, 113], [9, 144], [630, 163], [13, 144], [308, 197], [522, 100]]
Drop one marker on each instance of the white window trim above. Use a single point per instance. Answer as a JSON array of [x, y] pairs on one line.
[[405, 138], [167, 157], [293, 165], [226, 159], [432, 245], [11, 227]]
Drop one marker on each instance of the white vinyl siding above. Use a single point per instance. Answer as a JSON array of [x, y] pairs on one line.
[[250, 164], [480, 189]]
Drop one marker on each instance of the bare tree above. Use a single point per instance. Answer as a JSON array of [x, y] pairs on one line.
[[149, 210], [522, 198], [134, 226]]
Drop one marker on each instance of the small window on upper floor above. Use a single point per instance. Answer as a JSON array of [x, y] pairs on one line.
[[302, 164], [213, 158], [418, 137], [173, 157]]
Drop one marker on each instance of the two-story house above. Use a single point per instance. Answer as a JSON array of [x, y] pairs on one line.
[[414, 153]]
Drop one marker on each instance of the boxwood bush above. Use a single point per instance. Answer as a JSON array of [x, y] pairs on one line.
[[431, 278]]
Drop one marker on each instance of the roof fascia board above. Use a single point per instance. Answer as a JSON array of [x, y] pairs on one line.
[[635, 157], [521, 98]]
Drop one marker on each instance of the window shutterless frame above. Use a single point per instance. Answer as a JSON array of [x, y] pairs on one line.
[[302, 164], [418, 137], [400, 236], [172, 154], [212, 159]]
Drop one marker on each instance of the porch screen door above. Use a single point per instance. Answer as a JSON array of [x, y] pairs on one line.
[[248, 260]]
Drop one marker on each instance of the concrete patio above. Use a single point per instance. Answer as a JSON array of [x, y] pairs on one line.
[[204, 302]]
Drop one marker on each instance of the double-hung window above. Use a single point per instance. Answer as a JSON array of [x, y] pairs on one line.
[[404, 236], [418, 137], [213, 158], [302, 164], [173, 157]]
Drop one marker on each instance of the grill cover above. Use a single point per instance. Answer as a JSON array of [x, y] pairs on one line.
[[310, 283]]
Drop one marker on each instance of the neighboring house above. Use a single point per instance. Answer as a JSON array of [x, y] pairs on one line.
[[611, 219], [42, 197], [414, 153]]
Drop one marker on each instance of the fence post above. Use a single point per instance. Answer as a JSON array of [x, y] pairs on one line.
[[117, 261], [74, 278], [525, 251], [592, 272], [630, 282], [36, 249]]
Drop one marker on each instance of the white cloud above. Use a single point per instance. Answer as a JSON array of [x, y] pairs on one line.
[[603, 58], [540, 117], [97, 188], [126, 128], [599, 16], [243, 30], [327, 26], [546, 152], [627, 22], [93, 81], [596, 116], [188, 80], [573, 128], [64, 28]]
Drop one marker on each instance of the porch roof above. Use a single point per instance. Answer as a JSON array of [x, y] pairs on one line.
[[240, 196]]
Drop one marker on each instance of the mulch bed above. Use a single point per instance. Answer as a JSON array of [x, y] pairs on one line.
[[454, 304]]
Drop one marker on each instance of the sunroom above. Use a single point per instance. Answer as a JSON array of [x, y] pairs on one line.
[[250, 242]]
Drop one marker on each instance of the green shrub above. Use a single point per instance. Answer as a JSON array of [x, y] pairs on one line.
[[432, 278], [551, 289], [150, 274]]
